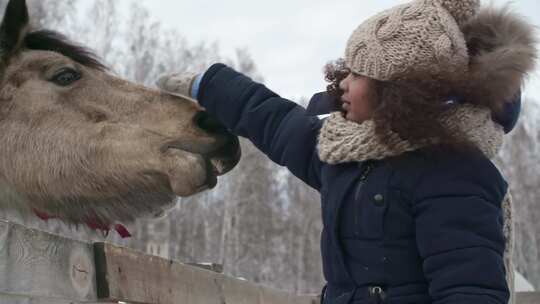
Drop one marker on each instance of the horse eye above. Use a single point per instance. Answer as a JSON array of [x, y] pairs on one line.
[[66, 77]]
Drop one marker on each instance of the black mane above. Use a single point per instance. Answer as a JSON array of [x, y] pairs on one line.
[[53, 41]]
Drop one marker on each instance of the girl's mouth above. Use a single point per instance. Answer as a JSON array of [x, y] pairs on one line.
[[345, 105]]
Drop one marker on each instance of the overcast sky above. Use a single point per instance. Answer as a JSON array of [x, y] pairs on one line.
[[289, 40]]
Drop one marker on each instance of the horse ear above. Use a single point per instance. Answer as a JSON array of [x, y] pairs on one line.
[[14, 27]]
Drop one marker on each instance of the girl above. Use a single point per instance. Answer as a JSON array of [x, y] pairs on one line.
[[413, 209]]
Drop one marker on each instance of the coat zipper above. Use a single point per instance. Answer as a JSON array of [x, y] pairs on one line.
[[363, 177]]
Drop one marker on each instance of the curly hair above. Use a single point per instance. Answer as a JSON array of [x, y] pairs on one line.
[[411, 108]]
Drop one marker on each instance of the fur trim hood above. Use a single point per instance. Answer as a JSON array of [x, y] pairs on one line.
[[503, 51]]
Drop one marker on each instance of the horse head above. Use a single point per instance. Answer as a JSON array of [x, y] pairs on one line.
[[82, 145]]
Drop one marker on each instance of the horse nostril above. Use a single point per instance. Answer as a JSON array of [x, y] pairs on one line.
[[208, 123]]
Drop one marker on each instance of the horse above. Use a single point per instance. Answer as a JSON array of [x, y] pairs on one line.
[[84, 146]]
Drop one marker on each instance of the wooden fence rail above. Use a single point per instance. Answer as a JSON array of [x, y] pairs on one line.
[[41, 268]]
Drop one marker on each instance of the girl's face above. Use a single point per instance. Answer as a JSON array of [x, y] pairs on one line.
[[359, 96]]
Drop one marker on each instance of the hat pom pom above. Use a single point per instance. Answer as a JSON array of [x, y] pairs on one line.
[[461, 10]]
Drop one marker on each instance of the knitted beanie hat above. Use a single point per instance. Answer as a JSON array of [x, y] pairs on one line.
[[422, 37]]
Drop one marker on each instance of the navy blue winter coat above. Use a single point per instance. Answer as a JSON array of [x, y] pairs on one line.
[[420, 228]]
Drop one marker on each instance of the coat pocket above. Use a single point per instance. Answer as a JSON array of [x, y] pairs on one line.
[[370, 213], [371, 202]]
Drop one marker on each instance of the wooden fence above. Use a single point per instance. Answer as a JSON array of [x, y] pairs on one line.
[[41, 268]]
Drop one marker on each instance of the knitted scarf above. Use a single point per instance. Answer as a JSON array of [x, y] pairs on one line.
[[341, 141]]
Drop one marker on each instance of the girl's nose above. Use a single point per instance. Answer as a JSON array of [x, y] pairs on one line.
[[343, 83]]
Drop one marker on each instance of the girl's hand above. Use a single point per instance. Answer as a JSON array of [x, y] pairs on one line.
[[178, 84]]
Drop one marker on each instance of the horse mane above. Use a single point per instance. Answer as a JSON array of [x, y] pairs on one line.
[[46, 40]]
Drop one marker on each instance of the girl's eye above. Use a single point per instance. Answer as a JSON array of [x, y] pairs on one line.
[[356, 76], [66, 76]]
